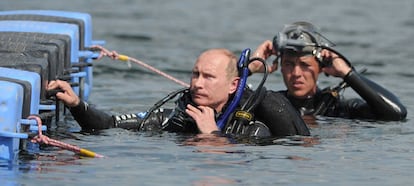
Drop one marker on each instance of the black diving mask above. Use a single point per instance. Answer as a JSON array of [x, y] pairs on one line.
[[301, 38]]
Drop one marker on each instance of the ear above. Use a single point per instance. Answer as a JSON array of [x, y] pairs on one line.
[[234, 84]]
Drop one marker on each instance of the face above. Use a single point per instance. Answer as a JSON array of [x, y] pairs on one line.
[[210, 85], [300, 75]]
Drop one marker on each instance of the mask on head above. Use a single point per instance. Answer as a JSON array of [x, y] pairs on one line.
[[302, 38]]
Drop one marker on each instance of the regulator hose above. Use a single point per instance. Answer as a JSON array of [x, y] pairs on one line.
[[243, 67], [243, 116]]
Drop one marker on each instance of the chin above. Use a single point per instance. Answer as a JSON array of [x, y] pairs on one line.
[[199, 101], [299, 94]]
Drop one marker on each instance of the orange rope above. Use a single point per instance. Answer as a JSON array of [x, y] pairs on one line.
[[40, 138], [115, 55]]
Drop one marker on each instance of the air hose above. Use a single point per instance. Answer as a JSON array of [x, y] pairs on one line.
[[243, 66], [145, 115], [244, 115], [253, 100]]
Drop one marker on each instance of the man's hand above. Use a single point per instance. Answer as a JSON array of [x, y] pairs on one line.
[[264, 51], [339, 67], [68, 97], [204, 117]]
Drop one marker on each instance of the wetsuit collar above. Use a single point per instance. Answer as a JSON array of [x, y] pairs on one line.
[[306, 106]]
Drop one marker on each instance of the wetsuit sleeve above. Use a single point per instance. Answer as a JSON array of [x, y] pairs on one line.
[[128, 121], [91, 118], [379, 102], [172, 120], [279, 115], [155, 120]]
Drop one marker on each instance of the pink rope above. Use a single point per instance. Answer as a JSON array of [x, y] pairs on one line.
[[40, 138], [115, 55]]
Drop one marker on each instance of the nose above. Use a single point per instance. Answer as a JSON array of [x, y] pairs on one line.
[[296, 71], [197, 82]]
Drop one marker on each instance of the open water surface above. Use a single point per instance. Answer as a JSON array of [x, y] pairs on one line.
[[169, 35]]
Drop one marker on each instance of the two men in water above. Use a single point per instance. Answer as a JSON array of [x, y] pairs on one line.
[[303, 54], [214, 80]]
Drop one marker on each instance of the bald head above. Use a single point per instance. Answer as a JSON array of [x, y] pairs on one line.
[[225, 57]]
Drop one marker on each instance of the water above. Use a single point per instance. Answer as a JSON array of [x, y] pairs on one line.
[[170, 34]]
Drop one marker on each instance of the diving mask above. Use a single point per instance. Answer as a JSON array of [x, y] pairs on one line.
[[300, 37]]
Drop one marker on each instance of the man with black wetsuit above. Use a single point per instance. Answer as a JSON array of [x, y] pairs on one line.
[[304, 53], [214, 80]]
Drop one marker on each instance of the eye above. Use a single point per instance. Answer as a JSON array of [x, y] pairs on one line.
[[209, 76], [195, 74], [288, 63], [304, 64]]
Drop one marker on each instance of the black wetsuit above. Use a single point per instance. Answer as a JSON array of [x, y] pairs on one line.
[[378, 103], [275, 117]]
